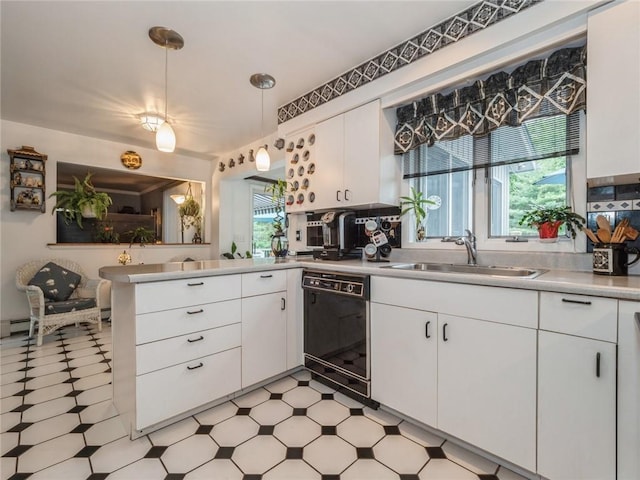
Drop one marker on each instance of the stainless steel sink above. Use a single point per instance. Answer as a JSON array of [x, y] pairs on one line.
[[469, 269]]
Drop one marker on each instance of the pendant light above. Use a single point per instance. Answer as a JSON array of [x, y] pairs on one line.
[[262, 81], [167, 39]]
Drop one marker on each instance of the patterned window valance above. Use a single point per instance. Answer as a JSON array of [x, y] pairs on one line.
[[539, 88]]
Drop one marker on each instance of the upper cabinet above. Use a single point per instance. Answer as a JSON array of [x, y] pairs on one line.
[[613, 96], [350, 164]]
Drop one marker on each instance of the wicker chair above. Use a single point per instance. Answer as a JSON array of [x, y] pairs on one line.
[[40, 310]]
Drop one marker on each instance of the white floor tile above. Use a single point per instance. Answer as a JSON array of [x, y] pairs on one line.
[[292, 470], [189, 453], [283, 385], [417, 434], [9, 420], [400, 454], [8, 440], [47, 369], [90, 369], [360, 431], [50, 428], [297, 431], [11, 367], [469, 460], [368, 469], [252, 399], [118, 454], [92, 381], [18, 357], [271, 412], [506, 474], [40, 352], [48, 393], [328, 413], [216, 469], [105, 432], [50, 452], [217, 414], [48, 409], [145, 469], [234, 431], [47, 380], [302, 375], [95, 395], [11, 389], [98, 412], [85, 352], [9, 403], [174, 433], [441, 468], [302, 397], [47, 360], [7, 467], [79, 343], [71, 468], [6, 351], [329, 454], [259, 454], [83, 361], [11, 377]]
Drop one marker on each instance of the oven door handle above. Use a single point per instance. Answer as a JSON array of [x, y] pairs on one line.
[[313, 298]]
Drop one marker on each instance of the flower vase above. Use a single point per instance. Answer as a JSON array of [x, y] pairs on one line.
[[421, 231], [279, 245], [548, 231]]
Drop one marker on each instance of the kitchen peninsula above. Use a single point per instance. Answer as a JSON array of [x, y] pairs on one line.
[[189, 335]]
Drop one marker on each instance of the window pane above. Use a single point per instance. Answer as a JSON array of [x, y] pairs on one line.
[[516, 188], [454, 194], [263, 215]]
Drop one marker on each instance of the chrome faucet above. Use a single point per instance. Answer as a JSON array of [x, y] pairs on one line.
[[469, 241]]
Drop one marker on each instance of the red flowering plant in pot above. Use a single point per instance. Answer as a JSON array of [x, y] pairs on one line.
[[548, 221]]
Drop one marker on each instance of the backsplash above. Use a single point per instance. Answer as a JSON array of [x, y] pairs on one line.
[[615, 202]]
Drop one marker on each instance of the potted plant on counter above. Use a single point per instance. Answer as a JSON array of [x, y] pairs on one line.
[[279, 242], [548, 221], [417, 204], [81, 202]]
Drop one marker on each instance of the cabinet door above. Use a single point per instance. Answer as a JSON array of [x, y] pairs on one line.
[[361, 184], [294, 318], [576, 407], [327, 178], [264, 337], [613, 96], [487, 386], [404, 364]]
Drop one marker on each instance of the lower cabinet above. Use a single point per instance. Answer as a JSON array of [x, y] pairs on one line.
[[473, 379], [264, 337], [577, 407]]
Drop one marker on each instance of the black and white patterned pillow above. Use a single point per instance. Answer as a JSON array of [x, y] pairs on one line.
[[56, 283]]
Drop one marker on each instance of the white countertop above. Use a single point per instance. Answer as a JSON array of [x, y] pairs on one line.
[[564, 281]]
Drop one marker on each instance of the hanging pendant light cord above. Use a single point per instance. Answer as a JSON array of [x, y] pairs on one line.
[[166, 79], [262, 113]]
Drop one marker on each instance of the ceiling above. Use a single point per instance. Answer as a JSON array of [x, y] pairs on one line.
[[90, 68]]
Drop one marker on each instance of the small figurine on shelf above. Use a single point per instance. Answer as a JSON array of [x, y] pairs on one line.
[[28, 165], [17, 179]]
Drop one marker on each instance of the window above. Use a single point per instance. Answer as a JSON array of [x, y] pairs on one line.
[[264, 212]]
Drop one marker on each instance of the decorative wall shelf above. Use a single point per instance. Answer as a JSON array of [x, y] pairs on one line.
[[27, 179]]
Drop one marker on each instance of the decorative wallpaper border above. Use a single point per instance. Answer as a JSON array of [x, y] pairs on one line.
[[477, 17]]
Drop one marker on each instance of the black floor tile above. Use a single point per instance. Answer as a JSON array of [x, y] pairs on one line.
[[22, 393], [204, 429], [175, 476], [327, 396], [409, 476], [266, 430], [303, 383], [299, 412], [364, 453], [74, 393], [391, 430], [17, 451], [251, 476], [330, 477], [155, 452], [275, 396], [355, 412], [22, 408], [77, 409], [487, 476], [87, 451], [97, 476], [225, 452], [435, 452], [20, 476], [329, 430], [294, 453], [243, 411], [83, 427]]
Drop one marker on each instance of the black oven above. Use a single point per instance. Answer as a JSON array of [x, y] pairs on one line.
[[336, 329]]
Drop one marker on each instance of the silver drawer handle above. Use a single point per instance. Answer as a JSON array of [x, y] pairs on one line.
[[195, 284], [194, 312], [581, 302], [196, 366], [195, 339], [266, 276]]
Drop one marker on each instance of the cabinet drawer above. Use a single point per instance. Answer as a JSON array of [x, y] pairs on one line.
[[260, 283], [156, 355], [157, 296], [502, 305], [174, 390], [181, 321], [581, 315]]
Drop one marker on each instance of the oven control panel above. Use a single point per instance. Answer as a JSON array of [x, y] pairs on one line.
[[352, 285]]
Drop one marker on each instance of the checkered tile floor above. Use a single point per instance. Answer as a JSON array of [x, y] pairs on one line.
[[58, 422]]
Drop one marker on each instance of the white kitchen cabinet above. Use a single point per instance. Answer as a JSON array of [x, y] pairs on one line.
[[264, 337], [355, 165], [404, 359], [487, 386], [613, 96], [576, 407], [294, 318], [485, 367], [628, 390]]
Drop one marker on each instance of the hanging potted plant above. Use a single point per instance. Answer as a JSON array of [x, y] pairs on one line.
[[81, 202], [548, 221], [189, 212], [417, 204], [279, 242]]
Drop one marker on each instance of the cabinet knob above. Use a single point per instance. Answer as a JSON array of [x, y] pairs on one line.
[[283, 304], [196, 284], [426, 329], [580, 302], [346, 197], [598, 365], [194, 312], [338, 196], [195, 366], [192, 340], [266, 276], [444, 332]]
